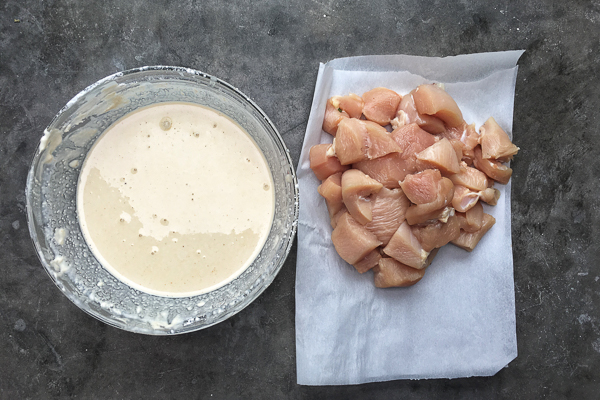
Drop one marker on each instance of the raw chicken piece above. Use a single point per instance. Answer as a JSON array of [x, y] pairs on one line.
[[356, 189], [464, 199], [469, 137], [438, 234], [336, 217], [493, 169], [469, 177], [462, 220], [422, 187], [332, 118], [351, 240], [381, 142], [468, 241], [352, 104], [490, 196], [458, 146], [422, 213], [387, 170], [381, 105], [464, 225], [464, 133], [432, 100], [455, 132], [407, 114], [331, 190], [442, 215], [441, 155], [358, 140], [351, 141], [495, 143], [474, 217], [323, 165], [370, 261], [468, 157], [389, 207], [412, 140], [405, 247], [391, 273], [472, 220]]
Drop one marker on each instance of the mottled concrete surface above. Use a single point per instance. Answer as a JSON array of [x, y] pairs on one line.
[[50, 50]]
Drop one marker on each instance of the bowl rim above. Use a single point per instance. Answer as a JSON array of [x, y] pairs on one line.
[[291, 234]]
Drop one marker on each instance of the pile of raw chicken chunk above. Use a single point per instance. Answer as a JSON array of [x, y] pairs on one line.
[[404, 176]]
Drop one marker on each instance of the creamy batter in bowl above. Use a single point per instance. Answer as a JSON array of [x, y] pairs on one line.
[[76, 265]]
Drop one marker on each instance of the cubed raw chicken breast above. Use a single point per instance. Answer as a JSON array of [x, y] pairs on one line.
[[387, 170], [336, 217], [381, 143], [409, 191], [370, 261], [351, 240], [408, 114], [322, 164], [356, 189], [405, 248], [441, 215], [391, 273], [352, 104], [495, 143], [381, 105], [424, 213], [412, 140], [438, 234], [470, 177], [432, 100], [389, 207], [468, 157], [469, 137], [490, 196], [422, 187], [331, 190], [466, 134], [472, 220], [454, 132], [468, 241], [464, 199], [441, 155], [332, 118], [458, 146], [493, 169], [358, 140]]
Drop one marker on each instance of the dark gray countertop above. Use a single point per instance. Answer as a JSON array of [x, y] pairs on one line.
[[50, 50]]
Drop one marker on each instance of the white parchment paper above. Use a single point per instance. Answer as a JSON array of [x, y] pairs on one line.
[[459, 320]]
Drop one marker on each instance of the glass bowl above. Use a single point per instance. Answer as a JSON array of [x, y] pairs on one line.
[[52, 191]]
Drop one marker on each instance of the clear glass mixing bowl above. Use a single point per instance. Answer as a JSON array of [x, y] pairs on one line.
[[52, 190]]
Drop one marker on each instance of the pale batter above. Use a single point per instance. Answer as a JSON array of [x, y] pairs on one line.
[[175, 199]]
